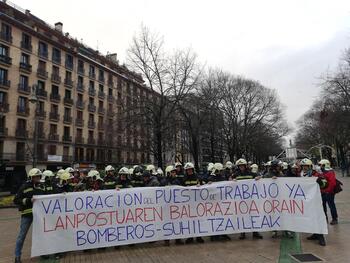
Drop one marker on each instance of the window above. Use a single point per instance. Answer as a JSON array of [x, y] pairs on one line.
[[68, 75], [92, 71], [80, 66], [25, 58], [91, 85], [67, 112], [21, 124], [91, 101], [2, 123], [79, 133], [101, 75], [56, 55], [26, 40], [20, 151], [22, 104], [43, 49], [100, 104], [54, 90], [41, 107], [69, 61], [66, 131], [67, 94], [51, 150], [91, 118], [53, 129], [110, 92], [100, 120], [65, 150], [4, 50], [2, 97], [80, 97], [54, 108], [6, 32], [80, 81], [55, 70], [23, 81], [100, 88], [42, 65], [91, 134], [79, 114], [41, 85]]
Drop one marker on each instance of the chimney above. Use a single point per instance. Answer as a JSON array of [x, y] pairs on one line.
[[27, 12], [59, 26], [113, 57]]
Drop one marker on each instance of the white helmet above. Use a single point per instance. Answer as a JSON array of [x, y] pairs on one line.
[[160, 171], [228, 165], [131, 171], [305, 162], [210, 167], [69, 170], [241, 162], [178, 164], [93, 173], [218, 167], [34, 172], [254, 167], [268, 163], [123, 170], [109, 168], [284, 165], [169, 169], [188, 165], [326, 163], [47, 173], [59, 172]]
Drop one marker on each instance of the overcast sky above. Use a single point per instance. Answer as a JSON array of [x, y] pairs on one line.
[[287, 45]]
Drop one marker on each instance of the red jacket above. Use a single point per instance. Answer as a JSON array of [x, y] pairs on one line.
[[331, 180]]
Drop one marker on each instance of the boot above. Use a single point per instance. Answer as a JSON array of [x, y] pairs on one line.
[[334, 222], [256, 235], [18, 260], [179, 242], [274, 234], [321, 240], [242, 236], [200, 240], [167, 243], [312, 237]]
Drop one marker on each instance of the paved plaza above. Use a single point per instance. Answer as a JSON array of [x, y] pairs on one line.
[[257, 251]]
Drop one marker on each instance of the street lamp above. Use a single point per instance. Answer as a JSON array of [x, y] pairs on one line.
[[34, 100]]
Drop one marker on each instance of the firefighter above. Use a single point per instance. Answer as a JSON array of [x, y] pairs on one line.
[[191, 179], [63, 185], [254, 168], [48, 182], [228, 170], [327, 190], [123, 179], [149, 180], [137, 176], [179, 170], [24, 200], [75, 179], [308, 171], [160, 176], [218, 175], [109, 179], [241, 174], [95, 182]]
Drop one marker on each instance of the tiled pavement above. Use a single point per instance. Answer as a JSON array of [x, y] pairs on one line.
[[260, 251]]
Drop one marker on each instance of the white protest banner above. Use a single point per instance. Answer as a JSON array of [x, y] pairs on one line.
[[85, 220]]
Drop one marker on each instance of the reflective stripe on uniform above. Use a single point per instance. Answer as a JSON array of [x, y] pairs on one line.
[[28, 190], [191, 182], [244, 177], [109, 183], [49, 188], [27, 211], [24, 201]]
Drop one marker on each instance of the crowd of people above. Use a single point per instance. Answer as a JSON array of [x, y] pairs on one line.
[[72, 180]]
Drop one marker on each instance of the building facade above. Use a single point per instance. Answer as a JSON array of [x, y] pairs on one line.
[[61, 101]]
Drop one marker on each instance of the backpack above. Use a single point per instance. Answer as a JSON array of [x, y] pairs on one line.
[[338, 187]]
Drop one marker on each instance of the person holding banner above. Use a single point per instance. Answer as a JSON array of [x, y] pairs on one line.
[[122, 179], [109, 179], [24, 200], [48, 182], [191, 179], [308, 171], [136, 178], [63, 185], [243, 174]]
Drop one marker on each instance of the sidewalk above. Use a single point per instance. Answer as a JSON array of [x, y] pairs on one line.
[[253, 251]]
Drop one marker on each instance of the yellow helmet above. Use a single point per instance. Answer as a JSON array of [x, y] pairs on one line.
[[326, 163], [305, 162], [241, 162], [65, 176], [34, 172]]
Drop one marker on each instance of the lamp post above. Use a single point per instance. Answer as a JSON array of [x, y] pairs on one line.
[[34, 100]]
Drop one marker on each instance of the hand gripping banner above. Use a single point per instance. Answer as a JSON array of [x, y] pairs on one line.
[[86, 220]]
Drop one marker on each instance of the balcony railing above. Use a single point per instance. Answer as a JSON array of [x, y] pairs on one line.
[[26, 45], [23, 89], [80, 104], [92, 92], [92, 75], [4, 107], [21, 133], [53, 137], [69, 65], [6, 60], [68, 101], [67, 119], [41, 73], [66, 138], [91, 108], [91, 140], [43, 53], [79, 139], [110, 98], [101, 126], [24, 111], [80, 87], [5, 83], [6, 36], [56, 59], [79, 122], [55, 97], [101, 110], [68, 82], [41, 93], [55, 78], [3, 132], [91, 125], [54, 116], [101, 79], [25, 67], [41, 113], [101, 94]]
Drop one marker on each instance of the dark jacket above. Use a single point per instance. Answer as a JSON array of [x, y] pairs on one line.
[[238, 175], [24, 197], [110, 182]]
